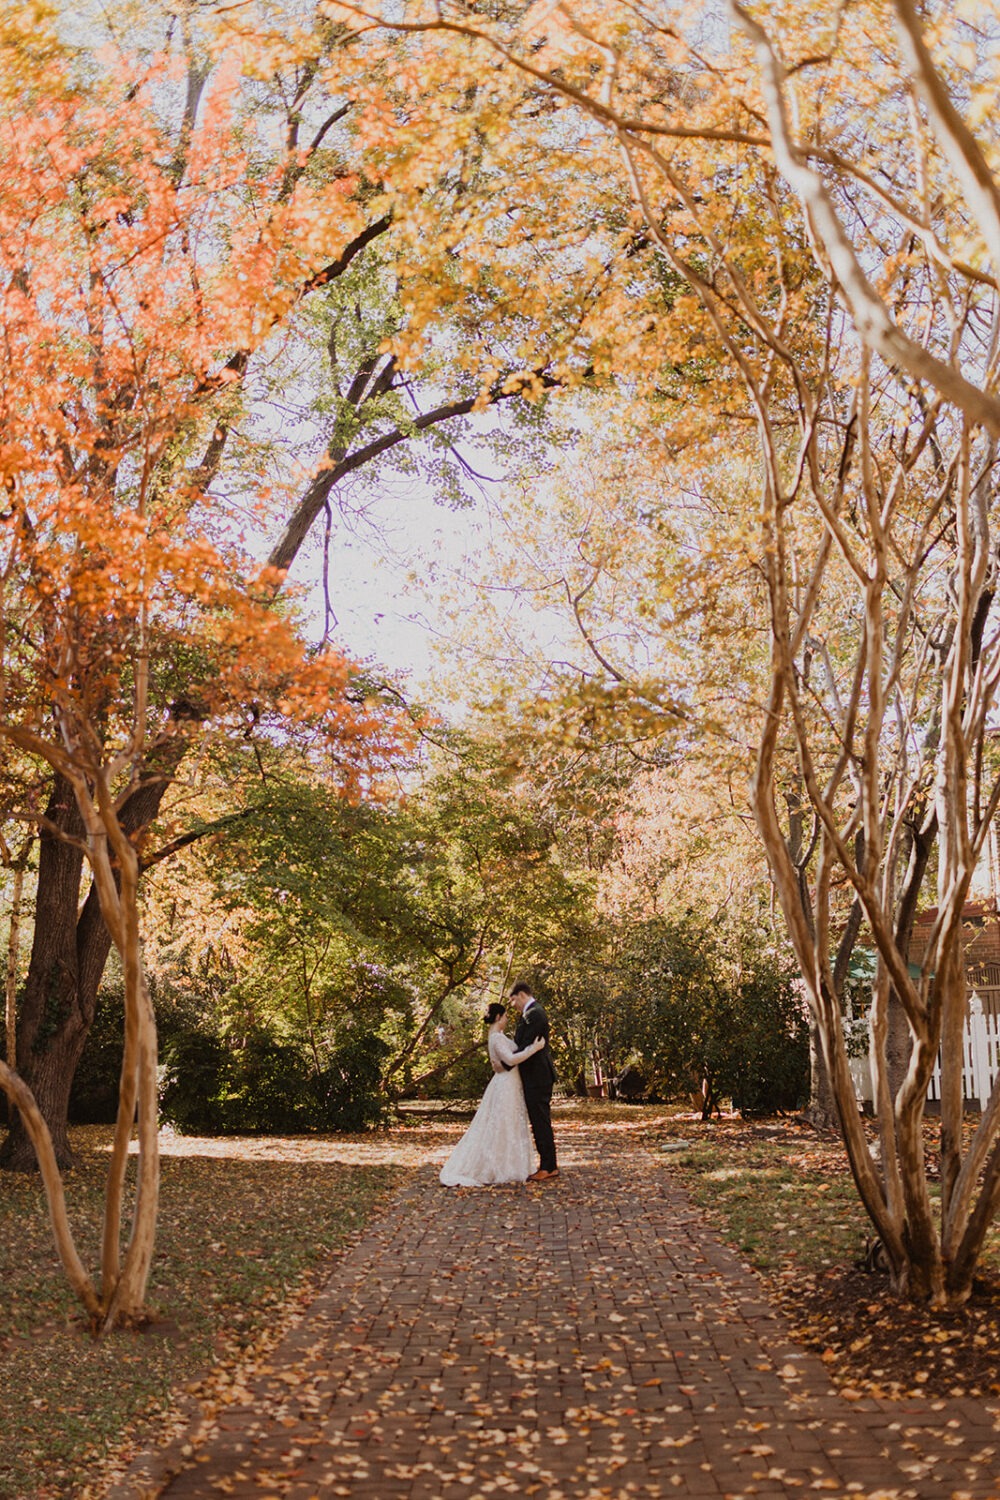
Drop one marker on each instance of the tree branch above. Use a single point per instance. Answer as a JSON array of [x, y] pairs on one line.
[[868, 312], [349, 253], [286, 549], [184, 840], [953, 135]]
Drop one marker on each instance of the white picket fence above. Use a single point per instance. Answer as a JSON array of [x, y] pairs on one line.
[[981, 1060], [980, 1066]]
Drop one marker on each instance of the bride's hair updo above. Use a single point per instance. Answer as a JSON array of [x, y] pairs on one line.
[[494, 1013]]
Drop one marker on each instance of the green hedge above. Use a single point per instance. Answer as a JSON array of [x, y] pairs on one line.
[[214, 1084]]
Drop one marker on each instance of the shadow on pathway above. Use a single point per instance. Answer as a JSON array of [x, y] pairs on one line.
[[590, 1337]]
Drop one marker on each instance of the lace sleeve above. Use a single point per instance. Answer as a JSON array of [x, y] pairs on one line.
[[504, 1048], [496, 1059]]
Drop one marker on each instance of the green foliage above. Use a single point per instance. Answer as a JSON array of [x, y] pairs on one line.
[[194, 1082], [347, 951], [698, 1009], [268, 1085], [217, 1080], [182, 1032], [265, 1086], [766, 1065], [385, 921], [349, 1091], [466, 1078], [94, 1097]]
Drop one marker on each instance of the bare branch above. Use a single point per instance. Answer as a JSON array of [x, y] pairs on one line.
[[868, 312]]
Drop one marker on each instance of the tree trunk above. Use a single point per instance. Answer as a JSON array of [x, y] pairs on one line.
[[822, 1111], [76, 1274], [899, 1044], [68, 953], [53, 1026]]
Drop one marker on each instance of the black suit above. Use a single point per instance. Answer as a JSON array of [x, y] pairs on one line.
[[537, 1078]]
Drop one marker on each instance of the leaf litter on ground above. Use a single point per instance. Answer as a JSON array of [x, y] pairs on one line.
[[782, 1194], [250, 1226], [247, 1228]]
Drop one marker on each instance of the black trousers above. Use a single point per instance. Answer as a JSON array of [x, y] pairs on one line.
[[539, 1105]]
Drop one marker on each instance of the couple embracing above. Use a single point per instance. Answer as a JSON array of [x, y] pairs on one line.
[[515, 1107]]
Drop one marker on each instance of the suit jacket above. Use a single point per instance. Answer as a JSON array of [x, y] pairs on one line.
[[538, 1072]]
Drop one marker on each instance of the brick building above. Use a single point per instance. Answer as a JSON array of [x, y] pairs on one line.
[[982, 949]]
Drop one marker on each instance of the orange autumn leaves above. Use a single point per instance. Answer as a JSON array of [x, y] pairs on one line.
[[140, 268]]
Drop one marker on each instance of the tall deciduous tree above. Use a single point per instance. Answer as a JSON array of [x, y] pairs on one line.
[[121, 299], [263, 141], [821, 186]]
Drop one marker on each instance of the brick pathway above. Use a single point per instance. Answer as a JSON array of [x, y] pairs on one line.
[[586, 1338]]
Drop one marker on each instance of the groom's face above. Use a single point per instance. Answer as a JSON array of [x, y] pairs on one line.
[[519, 1002]]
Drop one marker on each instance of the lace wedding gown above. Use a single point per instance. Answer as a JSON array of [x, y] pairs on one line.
[[497, 1146]]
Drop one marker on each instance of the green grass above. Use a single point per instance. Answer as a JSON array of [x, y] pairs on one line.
[[239, 1239], [783, 1197], [775, 1213]]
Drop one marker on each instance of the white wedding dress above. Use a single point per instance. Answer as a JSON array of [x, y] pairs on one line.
[[497, 1146]]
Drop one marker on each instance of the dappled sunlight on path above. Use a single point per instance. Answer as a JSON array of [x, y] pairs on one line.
[[586, 1338], [424, 1137], [380, 1148]]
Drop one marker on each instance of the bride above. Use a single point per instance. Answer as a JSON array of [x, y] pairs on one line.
[[497, 1145]]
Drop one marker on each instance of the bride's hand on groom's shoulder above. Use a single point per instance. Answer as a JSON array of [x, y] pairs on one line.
[[540, 1044]]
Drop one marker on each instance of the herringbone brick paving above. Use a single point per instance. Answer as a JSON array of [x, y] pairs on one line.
[[587, 1337]]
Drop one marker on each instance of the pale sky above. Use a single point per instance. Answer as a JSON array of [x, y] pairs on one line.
[[381, 609], [389, 553]]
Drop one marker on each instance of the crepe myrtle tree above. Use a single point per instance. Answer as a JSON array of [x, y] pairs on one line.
[[117, 298], [820, 185]]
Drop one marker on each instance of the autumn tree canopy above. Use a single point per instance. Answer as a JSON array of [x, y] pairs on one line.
[[256, 295], [817, 194], [141, 270]]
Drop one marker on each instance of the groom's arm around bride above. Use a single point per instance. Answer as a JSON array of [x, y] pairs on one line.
[[537, 1077]]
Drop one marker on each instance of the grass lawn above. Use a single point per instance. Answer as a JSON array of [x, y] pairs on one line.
[[784, 1198], [246, 1228]]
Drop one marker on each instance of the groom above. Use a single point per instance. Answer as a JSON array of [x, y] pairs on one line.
[[537, 1077]]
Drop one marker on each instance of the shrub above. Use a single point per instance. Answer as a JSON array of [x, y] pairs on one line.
[[185, 1038], [701, 1007], [466, 1078], [348, 1093], [270, 1085], [193, 1076], [767, 1069], [267, 1087], [93, 1097]]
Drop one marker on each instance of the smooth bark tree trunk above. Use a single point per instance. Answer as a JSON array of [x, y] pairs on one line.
[[75, 1271], [899, 1044]]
